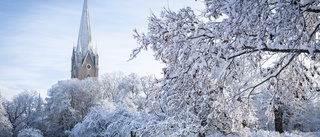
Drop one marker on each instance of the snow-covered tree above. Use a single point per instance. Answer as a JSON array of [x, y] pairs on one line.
[[130, 90], [149, 101], [5, 125], [22, 110], [110, 83], [69, 102], [218, 62]]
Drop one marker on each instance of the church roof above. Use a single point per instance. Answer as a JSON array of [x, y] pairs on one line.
[[84, 38]]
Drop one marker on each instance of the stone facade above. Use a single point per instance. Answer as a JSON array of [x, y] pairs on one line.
[[87, 67]]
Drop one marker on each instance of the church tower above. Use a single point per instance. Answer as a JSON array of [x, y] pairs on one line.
[[84, 60]]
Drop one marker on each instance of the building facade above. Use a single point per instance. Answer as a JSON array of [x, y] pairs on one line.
[[85, 59]]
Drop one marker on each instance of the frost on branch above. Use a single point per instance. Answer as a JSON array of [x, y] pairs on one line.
[[5, 125], [265, 49]]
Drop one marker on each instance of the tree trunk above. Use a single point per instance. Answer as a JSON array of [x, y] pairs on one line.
[[201, 134], [278, 114]]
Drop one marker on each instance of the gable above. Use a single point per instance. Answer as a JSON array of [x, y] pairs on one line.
[[88, 59]]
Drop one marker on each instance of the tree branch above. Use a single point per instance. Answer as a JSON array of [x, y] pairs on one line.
[[272, 76], [251, 50], [314, 31], [313, 9]]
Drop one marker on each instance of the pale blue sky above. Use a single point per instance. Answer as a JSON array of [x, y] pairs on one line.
[[37, 36]]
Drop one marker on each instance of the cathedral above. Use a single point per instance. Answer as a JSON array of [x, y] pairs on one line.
[[84, 57]]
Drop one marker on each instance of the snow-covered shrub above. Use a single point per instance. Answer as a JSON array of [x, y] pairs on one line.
[[103, 122], [304, 116], [265, 133], [30, 132]]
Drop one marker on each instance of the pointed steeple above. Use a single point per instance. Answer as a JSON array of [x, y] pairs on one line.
[[84, 38], [85, 59]]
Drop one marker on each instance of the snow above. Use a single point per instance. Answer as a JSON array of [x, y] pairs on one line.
[[243, 76], [30, 132]]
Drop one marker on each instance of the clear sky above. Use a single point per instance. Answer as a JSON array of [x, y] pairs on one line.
[[37, 36]]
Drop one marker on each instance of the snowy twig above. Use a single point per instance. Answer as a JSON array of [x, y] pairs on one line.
[[272, 76]]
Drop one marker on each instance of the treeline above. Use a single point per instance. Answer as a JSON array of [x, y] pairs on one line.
[[129, 105], [72, 102]]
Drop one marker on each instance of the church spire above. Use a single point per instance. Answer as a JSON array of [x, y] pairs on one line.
[[84, 38], [84, 60]]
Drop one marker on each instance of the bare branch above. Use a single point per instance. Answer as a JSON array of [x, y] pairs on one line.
[[314, 31]]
